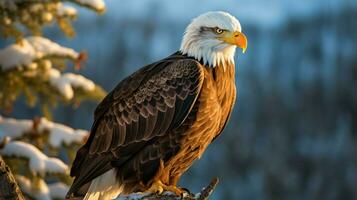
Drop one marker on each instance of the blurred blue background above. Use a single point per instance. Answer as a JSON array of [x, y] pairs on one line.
[[293, 134]]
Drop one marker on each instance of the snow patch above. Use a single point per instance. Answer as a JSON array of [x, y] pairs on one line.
[[13, 128], [134, 196], [44, 47], [65, 82], [30, 49], [38, 162], [64, 10], [42, 191], [39, 192], [96, 4], [147, 195], [58, 133], [58, 190]]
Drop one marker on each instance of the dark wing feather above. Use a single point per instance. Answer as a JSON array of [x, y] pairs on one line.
[[144, 106]]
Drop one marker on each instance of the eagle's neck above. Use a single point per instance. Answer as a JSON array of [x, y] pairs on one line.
[[211, 54], [224, 82], [223, 75]]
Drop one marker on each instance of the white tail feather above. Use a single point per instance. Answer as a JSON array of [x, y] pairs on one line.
[[104, 187]]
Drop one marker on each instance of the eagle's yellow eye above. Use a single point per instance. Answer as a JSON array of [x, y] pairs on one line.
[[218, 30]]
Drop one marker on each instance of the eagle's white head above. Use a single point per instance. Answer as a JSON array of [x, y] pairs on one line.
[[213, 37]]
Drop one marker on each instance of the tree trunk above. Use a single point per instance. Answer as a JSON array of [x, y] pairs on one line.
[[9, 189]]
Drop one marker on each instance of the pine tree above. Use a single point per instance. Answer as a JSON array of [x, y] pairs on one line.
[[33, 67]]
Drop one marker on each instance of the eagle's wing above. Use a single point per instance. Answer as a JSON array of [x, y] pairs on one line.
[[144, 106]]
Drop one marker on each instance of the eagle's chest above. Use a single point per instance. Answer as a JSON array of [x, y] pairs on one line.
[[214, 106], [211, 111]]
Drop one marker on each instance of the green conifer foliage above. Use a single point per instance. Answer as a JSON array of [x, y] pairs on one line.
[[33, 66]]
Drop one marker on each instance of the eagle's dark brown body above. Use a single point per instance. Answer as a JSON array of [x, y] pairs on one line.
[[155, 123]]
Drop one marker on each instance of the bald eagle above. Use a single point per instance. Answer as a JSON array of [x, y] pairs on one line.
[[150, 129]]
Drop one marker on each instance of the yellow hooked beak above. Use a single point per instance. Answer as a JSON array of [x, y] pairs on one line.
[[235, 38]]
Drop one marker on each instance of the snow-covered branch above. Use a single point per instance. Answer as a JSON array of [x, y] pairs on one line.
[[31, 49], [65, 82], [39, 163], [97, 5], [203, 195], [42, 190], [65, 10], [35, 60], [59, 134]]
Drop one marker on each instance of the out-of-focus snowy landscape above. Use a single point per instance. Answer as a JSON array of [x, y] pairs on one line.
[[293, 134]]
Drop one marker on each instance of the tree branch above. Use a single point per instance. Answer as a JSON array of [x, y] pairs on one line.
[[203, 195], [8, 186]]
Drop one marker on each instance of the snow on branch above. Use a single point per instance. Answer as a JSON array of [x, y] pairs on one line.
[[61, 134], [39, 191], [31, 49], [58, 190], [39, 163], [58, 133], [35, 48], [203, 195], [13, 128], [67, 81], [42, 190], [65, 10], [97, 5]]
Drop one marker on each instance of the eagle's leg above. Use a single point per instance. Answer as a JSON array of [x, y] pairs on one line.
[[174, 179]]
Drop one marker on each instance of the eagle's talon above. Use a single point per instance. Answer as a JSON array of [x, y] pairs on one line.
[[178, 191], [156, 187], [159, 187]]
